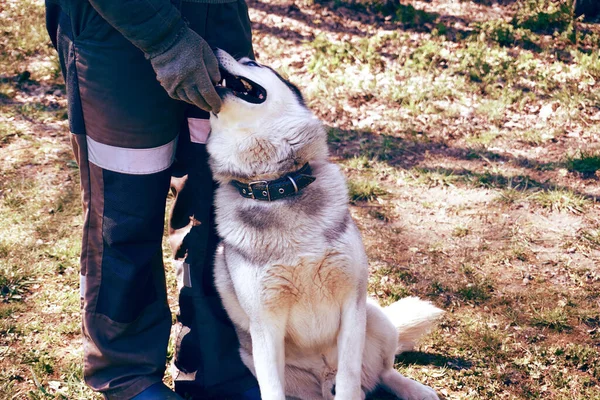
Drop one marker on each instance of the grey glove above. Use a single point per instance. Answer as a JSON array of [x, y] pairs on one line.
[[187, 71]]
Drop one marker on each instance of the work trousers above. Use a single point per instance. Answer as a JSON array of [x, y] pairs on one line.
[[132, 143]]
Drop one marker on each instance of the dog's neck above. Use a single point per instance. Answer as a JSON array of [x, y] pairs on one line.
[[266, 151]]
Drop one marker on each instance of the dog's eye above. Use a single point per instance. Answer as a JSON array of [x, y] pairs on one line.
[[251, 64]]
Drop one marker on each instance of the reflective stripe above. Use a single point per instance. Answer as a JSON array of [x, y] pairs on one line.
[[82, 286], [131, 161], [187, 276], [182, 272], [199, 130]]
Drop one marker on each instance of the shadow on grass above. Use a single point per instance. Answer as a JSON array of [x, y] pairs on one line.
[[327, 24], [420, 358], [392, 15], [408, 154], [402, 16], [295, 37], [34, 110], [433, 359], [589, 8], [381, 16], [381, 394]]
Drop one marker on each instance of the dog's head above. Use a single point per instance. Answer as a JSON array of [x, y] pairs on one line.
[[252, 90], [264, 127]]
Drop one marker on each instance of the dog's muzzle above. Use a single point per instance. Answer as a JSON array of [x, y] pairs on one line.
[[241, 87]]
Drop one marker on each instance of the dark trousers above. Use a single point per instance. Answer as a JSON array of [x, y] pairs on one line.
[[129, 138]]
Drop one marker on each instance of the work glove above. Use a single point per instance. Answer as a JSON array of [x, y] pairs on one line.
[[187, 71]]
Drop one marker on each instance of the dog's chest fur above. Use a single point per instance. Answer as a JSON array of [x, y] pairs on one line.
[[311, 292]]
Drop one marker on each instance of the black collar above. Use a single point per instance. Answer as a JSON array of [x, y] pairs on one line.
[[285, 186]]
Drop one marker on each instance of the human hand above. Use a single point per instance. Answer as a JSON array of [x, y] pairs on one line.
[[188, 71]]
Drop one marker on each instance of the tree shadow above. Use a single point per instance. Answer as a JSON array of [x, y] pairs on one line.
[[402, 16], [293, 36], [433, 359], [420, 358], [405, 17], [395, 151], [326, 24], [409, 153], [395, 15], [380, 394], [589, 9]]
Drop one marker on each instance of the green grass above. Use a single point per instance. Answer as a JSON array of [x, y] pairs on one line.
[[546, 16], [476, 293], [592, 237], [510, 195], [363, 190], [507, 34], [486, 138], [413, 17], [587, 163], [24, 40], [561, 200], [330, 55], [582, 357], [556, 319], [534, 137], [13, 284], [461, 231], [435, 177]]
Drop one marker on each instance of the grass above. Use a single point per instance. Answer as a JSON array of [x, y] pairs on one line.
[[510, 195], [592, 237], [475, 292], [435, 177], [13, 285], [586, 163], [556, 319], [470, 141], [547, 16], [364, 190], [534, 137], [561, 200]]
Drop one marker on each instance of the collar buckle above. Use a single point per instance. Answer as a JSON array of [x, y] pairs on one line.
[[266, 183]]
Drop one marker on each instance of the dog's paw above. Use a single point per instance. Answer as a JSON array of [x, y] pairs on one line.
[[329, 393], [418, 391]]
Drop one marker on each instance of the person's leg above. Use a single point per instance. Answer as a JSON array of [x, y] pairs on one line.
[[124, 131], [207, 356]]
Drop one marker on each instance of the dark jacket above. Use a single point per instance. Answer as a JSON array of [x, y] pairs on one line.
[[151, 25]]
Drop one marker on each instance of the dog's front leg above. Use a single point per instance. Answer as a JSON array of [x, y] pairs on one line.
[[351, 342], [269, 356]]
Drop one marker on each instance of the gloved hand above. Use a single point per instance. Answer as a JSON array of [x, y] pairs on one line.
[[187, 71]]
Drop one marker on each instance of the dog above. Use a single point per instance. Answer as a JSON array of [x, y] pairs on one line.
[[291, 268]]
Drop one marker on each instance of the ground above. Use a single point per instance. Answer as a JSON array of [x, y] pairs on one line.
[[470, 135]]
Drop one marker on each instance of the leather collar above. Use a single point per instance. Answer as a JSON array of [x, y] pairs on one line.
[[285, 186]]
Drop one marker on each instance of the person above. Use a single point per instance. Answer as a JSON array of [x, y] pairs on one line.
[[139, 80]]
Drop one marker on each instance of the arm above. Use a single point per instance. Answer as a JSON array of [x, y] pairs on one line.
[[184, 63], [151, 25]]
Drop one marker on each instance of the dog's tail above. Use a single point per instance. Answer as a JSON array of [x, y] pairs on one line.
[[412, 318]]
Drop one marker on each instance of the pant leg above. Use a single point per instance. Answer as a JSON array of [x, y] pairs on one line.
[[124, 131], [207, 357]]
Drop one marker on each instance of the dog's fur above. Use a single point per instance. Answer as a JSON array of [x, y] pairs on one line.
[[292, 273]]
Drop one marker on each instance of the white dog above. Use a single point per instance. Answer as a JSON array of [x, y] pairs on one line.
[[291, 269]]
